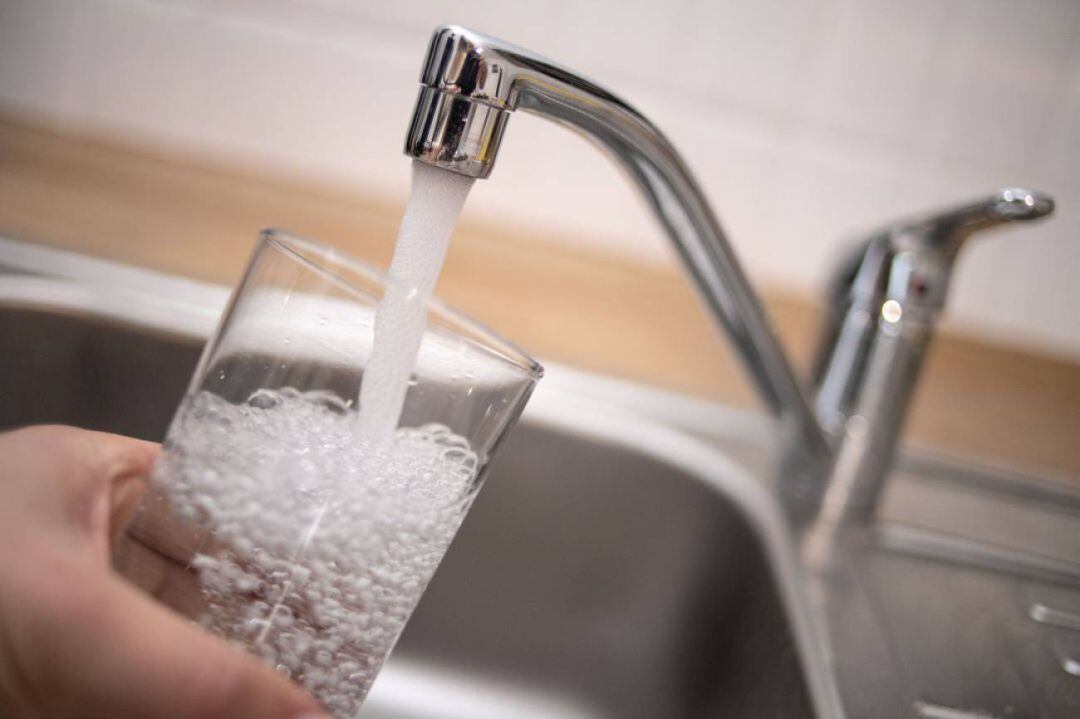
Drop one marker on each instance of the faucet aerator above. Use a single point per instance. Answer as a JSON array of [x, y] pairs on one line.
[[455, 133]]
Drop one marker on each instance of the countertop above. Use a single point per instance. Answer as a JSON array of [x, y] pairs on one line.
[[194, 216]]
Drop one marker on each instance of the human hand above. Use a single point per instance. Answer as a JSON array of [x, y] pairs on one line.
[[76, 640]]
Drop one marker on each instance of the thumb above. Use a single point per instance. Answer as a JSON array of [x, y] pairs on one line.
[[110, 651]]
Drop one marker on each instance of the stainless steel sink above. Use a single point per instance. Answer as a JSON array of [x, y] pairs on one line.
[[628, 557], [591, 579], [606, 578]]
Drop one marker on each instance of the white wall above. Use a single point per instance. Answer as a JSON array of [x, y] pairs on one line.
[[808, 122]]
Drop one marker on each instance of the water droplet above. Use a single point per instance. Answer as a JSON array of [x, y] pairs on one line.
[[255, 626]]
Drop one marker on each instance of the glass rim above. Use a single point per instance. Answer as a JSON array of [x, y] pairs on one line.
[[297, 248]]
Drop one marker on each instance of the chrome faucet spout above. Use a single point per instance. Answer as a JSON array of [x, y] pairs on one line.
[[471, 82]]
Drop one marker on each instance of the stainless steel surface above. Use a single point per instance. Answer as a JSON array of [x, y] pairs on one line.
[[629, 556], [885, 313], [611, 583], [468, 75], [615, 583]]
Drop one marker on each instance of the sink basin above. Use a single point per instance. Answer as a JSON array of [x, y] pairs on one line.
[[592, 578], [629, 556]]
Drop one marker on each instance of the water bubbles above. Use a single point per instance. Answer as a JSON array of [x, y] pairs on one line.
[[200, 562], [265, 399], [248, 584], [284, 617], [455, 454], [328, 400], [318, 552], [255, 627]]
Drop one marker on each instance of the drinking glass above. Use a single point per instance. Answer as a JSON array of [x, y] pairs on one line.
[[269, 519]]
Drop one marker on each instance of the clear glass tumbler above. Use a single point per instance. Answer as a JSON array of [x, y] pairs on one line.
[[269, 519]]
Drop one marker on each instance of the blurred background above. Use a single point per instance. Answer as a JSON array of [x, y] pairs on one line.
[[165, 132], [808, 122]]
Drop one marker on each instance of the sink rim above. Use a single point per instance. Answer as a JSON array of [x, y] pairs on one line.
[[603, 409], [729, 451]]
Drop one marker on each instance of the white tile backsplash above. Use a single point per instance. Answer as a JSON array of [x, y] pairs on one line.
[[1004, 70], [807, 122], [870, 74]]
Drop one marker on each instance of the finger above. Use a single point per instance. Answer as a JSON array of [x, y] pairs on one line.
[[110, 651], [79, 485], [79, 641]]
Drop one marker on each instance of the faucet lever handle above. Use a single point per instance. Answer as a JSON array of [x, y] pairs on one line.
[[886, 304], [947, 229]]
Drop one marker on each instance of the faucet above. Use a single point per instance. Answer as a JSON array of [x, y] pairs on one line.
[[471, 83], [886, 299]]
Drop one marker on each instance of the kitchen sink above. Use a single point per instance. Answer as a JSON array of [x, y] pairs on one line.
[[592, 578], [631, 554]]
